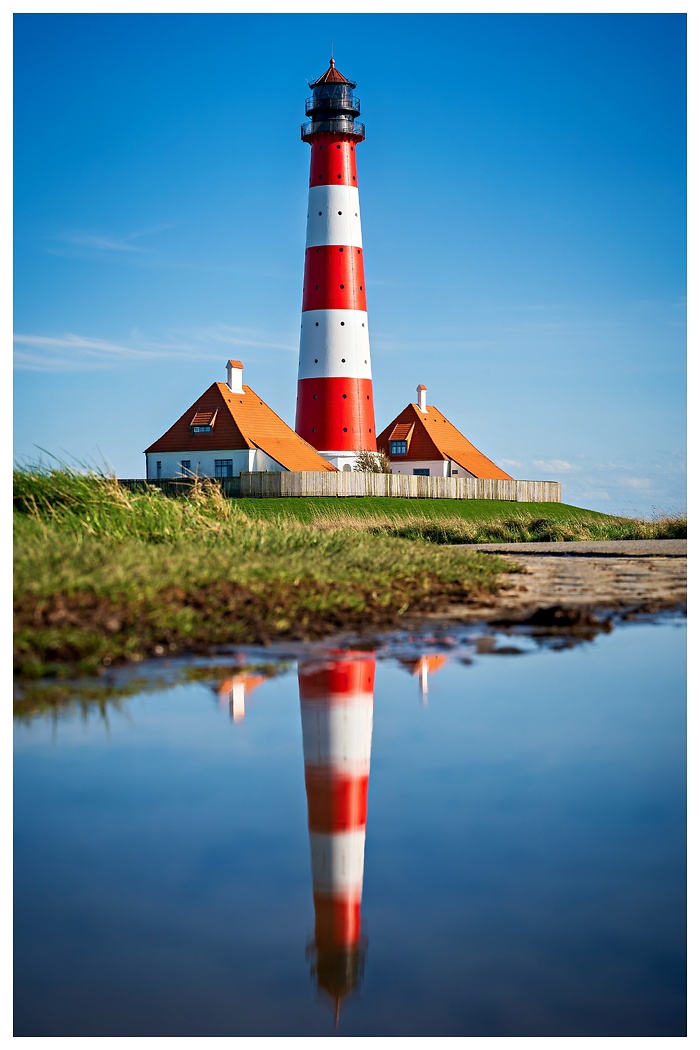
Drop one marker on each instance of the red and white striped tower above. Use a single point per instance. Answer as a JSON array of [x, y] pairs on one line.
[[337, 701], [335, 406]]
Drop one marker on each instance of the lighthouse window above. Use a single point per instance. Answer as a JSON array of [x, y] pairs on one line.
[[340, 212], [315, 360], [360, 287], [317, 324], [345, 430], [397, 448], [345, 395], [341, 249], [342, 322], [338, 176], [317, 287], [320, 213], [342, 286], [337, 147]]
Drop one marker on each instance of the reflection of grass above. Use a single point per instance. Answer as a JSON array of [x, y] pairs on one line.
[[56, 698], [104, 575]]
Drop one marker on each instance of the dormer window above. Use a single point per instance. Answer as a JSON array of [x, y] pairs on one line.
[[400, 439], [203, 422]]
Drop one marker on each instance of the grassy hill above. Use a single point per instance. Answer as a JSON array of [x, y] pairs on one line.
[[104, 574]]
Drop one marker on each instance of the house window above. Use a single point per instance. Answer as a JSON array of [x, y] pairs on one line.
[[185, 466], [425, 473], [201, 430], [223, 468], [158, 466], [397, 448]]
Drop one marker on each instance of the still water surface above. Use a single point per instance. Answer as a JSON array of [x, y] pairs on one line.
[[418, 840]]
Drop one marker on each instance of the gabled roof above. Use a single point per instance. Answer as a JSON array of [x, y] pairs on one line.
[[434, 437], [240, 421], [333, 76]]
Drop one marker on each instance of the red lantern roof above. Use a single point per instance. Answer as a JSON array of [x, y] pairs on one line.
[[332, 76]]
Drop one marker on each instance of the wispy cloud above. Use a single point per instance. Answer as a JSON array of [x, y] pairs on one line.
[[86, 241], [561, 466], [72, 352]]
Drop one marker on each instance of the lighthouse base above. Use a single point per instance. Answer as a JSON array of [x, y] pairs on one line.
[[340, 460]]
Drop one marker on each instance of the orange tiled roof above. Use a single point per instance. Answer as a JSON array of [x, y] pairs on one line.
[[241, 421], [332, 76], [436, 438], [402, 432], [203, 419]]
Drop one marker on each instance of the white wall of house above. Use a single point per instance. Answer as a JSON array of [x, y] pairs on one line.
[[261, 461], [439, 468], [341, 460], [201, 463]]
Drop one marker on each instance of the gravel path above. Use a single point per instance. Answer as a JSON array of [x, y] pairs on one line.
[[589, 548], [569, 583]]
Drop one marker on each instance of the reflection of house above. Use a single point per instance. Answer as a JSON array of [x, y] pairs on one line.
[[236, 690], [337, 701], [422, 667], [229, 429], [420, 440]]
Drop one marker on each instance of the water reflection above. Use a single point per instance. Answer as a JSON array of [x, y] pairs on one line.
[[337, 701], [235, 691], [421, 668], [531, 824]]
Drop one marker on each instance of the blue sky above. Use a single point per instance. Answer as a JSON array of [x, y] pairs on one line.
[[524, 218]]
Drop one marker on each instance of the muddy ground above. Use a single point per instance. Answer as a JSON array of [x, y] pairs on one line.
[[569, 583]]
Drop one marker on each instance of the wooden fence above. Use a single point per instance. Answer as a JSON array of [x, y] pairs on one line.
[[407, 486], [351, 483]]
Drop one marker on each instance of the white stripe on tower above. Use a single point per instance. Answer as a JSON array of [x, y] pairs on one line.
[[335, 407]]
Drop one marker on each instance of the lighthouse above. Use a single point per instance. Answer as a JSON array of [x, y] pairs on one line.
[[337, 702], [335, 407]]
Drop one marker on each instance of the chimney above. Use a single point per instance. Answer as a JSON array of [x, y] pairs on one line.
[[421, 392], [234, 376]]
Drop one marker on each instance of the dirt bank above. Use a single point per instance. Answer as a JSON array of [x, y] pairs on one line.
[[568, 583]]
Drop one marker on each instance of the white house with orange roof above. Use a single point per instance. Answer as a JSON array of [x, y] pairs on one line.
[[229, 429], [421, 440]]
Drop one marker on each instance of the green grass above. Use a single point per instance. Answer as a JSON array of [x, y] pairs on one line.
[[104, 575], [462, 521]]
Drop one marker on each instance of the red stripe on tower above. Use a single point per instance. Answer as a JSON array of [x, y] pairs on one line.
[[335, 405], [337, 701]]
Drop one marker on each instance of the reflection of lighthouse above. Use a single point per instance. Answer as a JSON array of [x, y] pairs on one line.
[[337, 699]]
